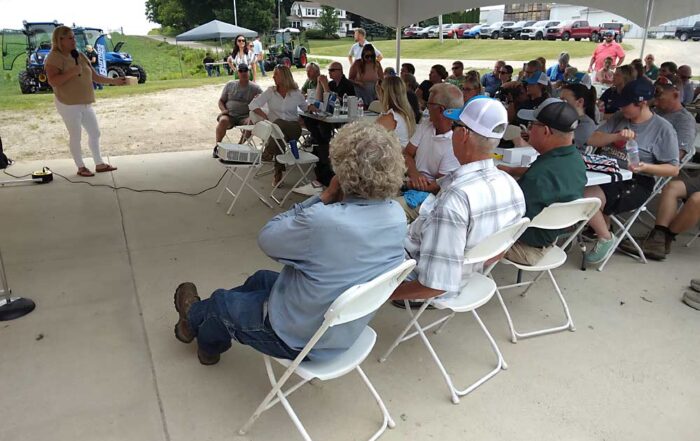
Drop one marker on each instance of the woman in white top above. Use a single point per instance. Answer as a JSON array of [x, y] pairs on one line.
[[397, 114], [241, 54], [283, 100]]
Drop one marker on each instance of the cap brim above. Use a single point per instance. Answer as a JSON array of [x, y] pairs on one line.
[[452, 114], [527, 115]]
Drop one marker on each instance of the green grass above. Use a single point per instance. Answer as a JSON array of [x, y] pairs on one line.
[[464, 49]]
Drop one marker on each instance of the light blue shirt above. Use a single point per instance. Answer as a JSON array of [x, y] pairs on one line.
[[325, 250]]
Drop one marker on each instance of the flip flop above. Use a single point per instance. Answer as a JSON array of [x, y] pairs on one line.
[[106, 168], [83, 171]]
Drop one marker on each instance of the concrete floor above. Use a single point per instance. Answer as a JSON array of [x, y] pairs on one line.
[[97, 359]]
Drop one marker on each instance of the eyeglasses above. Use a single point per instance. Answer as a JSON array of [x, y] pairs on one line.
[[532, 124], [435, 105], [459, 125]]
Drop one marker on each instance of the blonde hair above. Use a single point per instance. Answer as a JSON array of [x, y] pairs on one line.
[[287, 81], [367, 160], [447, 95], [394, 97], [58, 33]]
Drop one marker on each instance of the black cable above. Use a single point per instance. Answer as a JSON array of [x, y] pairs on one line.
[[136, 190]]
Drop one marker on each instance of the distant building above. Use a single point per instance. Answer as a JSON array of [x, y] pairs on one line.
[[526, 11], [304, 15]]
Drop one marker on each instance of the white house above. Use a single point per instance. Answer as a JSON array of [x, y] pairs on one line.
[[304, 15]]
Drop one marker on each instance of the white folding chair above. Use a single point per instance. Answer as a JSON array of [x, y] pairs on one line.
[[478, 290], [287, 158], [356, 302], [262, 132], [690, 242], [555, 217]]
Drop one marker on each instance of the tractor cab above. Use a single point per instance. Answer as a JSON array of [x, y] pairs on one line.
[[34, 42], [285, 48]]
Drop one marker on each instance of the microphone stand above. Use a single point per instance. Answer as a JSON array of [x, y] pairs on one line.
[[11, 307]]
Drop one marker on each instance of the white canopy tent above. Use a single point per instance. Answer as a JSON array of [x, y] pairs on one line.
[[404, 12]]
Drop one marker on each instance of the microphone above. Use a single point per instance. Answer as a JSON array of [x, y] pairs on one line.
[[74, 53]]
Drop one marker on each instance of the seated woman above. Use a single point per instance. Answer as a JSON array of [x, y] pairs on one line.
[[364, 73], [608, 99], [397, 114], [471, 87], [283, 100], [582, 99], [437, 75]]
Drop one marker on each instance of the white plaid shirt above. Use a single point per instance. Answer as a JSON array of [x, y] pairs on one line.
[[475, 201]]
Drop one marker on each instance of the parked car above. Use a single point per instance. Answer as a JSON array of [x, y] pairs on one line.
[[684, 33], [510, 32], [459, 29], [474, 32], [576, 29], [537, 30], [424, 33], [446, 28], [410, 32], [494, 30], [614, 26]]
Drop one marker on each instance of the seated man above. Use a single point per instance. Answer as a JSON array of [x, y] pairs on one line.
[[557, 175], [429, 154], [670, 107], [474, 201], [351, 234], [313, 72], [322, 132], [658, 154], [457, 77], [233, 103]]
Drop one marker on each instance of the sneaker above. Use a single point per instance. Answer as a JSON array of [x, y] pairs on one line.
[[692, 299], [185, 296], [215, 154], [601, 250], [312, 189], [695, 284]]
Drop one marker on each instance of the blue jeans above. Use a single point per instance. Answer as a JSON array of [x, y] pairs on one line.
[[261, 65], [239, 314]]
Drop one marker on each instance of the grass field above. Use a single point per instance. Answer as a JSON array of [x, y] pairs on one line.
[[464, 49]]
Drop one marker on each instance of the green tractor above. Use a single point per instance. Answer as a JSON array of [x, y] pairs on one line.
[[286, 49]]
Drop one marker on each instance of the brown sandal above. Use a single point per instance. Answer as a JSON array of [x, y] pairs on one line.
[[85, 172], [106, 168]]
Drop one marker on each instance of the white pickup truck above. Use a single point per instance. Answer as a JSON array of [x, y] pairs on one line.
[[538, 31]]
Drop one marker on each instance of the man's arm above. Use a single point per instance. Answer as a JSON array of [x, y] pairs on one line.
[[285, 237], [222, 106], [620, 61], [416, 178]]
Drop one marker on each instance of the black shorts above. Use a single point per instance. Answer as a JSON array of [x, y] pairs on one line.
[[627, 195], [233, 121], [691, 180]]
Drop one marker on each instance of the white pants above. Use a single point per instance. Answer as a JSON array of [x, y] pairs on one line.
[[76, 116]]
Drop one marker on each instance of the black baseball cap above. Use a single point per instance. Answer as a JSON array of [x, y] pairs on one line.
[[636, 91], [242, 67], [554, 113]]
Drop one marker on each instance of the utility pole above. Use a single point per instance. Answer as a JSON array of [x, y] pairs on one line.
[[279, 14], [235, 14]]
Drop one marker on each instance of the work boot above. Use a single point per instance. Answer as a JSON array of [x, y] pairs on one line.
[[185, 297], [207, 359], [655, 245]]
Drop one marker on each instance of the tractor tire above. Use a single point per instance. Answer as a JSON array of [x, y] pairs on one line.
[[142, 73], [25, 83], [565, 36], [301, 62], [286, 62], [539, 36], [115, 72], [683, 37]]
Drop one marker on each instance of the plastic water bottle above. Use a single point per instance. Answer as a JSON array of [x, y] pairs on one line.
[[336, 109], [344, 104], [360, 108], [632, 149], [293, 147]]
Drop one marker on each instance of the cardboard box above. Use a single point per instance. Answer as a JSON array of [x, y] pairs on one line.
[[131, 81]]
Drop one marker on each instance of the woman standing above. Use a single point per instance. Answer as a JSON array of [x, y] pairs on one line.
[[241, 54], [365, 72], [71, 76], [397, 114], [283, 102]]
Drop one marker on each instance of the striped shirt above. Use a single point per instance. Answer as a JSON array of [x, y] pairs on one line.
[[474, 201]]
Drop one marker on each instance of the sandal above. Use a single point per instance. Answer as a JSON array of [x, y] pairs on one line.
[[84, 171], [104, 168]]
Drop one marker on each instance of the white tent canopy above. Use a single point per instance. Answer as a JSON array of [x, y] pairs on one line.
[[215, 30]]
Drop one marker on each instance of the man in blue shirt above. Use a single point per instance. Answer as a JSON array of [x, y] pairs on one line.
[[556, 72], [491, 81], [350, 234]]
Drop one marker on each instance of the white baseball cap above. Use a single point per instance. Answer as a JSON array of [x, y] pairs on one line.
[[483, 115]]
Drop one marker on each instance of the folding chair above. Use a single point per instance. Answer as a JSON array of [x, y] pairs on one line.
[[262, 132], [286, 158], [554, 217], [356, 302], [477, 291]]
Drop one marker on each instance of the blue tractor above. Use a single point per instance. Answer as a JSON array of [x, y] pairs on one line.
[[118, 63]]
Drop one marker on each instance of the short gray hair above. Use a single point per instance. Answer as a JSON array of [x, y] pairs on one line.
[[483, 143], [447, 95], [314, 66], [367, 160]]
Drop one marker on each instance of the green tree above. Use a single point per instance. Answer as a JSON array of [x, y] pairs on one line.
[[328, 20], [182, 15]]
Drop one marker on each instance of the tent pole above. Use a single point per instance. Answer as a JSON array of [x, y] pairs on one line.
[[398, 36], [179, 59], [440, 27], [647, 25]]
